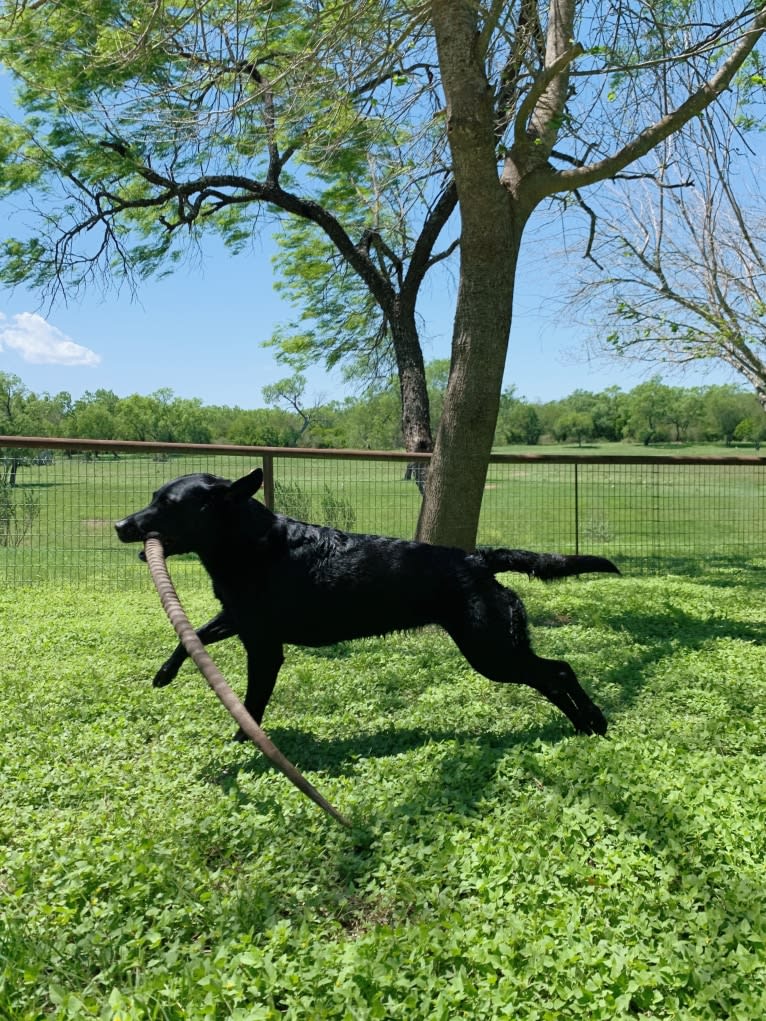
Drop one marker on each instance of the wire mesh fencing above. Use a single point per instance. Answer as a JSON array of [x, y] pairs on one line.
[[58, 505], [646, 514]]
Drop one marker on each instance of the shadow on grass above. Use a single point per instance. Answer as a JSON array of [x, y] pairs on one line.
[[465, 762], [461, 786], [660, 634], [338, 757], [468, 774], [56, 484], [717, 569], [465, 766]]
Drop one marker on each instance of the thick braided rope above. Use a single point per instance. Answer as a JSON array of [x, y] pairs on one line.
[[155, 558]]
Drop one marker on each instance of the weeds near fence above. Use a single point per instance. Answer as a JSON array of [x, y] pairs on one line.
[[292, 500], [598, 529], [337, 510], [19, 509], [296, 502]]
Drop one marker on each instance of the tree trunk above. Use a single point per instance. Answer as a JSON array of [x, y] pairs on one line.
[[493, 216], [492, 222], [416, 413], [452, 505]]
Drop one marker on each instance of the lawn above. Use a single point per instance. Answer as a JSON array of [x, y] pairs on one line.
[[500, 866]]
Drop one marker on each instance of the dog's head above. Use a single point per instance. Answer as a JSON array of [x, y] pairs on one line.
[[185, 513]]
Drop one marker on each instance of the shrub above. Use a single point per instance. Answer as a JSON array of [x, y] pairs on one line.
[[337, 511], [18, 512], [292, 500]]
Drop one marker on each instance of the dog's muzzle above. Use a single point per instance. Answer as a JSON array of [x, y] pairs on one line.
[[128, 531]]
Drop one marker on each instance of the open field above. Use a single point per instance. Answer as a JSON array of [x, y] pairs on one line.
[[628, 449], [646, 517], [500, 866]]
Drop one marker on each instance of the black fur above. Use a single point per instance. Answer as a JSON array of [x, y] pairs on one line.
[[283, 581]]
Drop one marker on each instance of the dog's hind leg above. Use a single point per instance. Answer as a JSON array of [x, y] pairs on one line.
[[216, 630], [554, 679], [557, 681], [493, 638]]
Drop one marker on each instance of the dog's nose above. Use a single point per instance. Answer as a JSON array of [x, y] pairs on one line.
[[126, 530]]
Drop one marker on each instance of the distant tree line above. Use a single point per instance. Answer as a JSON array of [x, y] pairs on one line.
[[650, 413]]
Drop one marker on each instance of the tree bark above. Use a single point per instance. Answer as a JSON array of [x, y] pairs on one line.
[[491, 228], [452, 505], [416, 415]]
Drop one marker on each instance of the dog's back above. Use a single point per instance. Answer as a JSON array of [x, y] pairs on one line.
[[315, 585]]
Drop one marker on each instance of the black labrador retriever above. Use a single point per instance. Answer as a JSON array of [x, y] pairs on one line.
[[283, 581]]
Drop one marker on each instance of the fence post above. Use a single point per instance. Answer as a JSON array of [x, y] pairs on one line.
[[268, 480], [576, 509]]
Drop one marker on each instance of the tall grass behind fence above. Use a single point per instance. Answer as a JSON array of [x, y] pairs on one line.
[[647, 514]]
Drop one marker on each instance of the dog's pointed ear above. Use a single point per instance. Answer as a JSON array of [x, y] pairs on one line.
[[247, 486]]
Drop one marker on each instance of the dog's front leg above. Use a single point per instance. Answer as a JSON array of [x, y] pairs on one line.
[[216, 630], [264, 658]]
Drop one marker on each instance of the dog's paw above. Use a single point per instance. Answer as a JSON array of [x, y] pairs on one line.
[[593, 723], [163, 677]]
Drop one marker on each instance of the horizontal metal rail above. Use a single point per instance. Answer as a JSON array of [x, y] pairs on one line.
[[154, 447]]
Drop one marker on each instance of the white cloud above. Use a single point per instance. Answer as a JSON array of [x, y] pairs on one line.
[[39, 343]]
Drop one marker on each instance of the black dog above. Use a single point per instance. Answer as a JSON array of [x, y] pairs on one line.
[[282, 581]]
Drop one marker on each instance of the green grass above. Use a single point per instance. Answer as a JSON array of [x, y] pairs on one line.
[[500, 866], [629, 449]]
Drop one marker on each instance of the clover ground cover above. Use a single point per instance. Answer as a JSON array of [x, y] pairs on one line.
[[500, 866]]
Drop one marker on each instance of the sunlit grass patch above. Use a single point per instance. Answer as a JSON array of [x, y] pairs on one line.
[[500, 866]]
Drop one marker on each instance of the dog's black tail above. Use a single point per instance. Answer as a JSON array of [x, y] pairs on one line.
[[545, 566]]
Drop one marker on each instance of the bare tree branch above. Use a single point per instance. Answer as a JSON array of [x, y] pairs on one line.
[[687, 275], [651, 136]]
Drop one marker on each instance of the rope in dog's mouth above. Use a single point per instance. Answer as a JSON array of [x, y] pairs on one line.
[[155, 558]]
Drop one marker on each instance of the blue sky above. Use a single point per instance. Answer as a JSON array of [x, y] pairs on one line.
[[200, 332]]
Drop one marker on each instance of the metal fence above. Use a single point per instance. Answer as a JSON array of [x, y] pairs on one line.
[[59, 499]]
